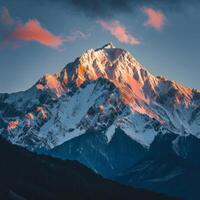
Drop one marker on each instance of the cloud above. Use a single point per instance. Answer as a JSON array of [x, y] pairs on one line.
[[33, 31], [96, 8], [15, 31], [107, 8], [156, 19], [75, 36], [119, 32], [5, 17]]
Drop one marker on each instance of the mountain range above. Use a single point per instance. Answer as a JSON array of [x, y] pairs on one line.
[[27, 176], [107, 111]]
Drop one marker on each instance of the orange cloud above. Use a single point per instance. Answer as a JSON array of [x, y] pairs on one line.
[[33, 31], [119, 31], [156, 19], [5, 17]]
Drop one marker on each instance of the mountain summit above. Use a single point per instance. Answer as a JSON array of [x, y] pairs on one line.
[[101, 90]]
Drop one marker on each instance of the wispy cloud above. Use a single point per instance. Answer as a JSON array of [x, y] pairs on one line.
[[119, 31], [75, 36], [5, 17], [32, 30], [156, 19]]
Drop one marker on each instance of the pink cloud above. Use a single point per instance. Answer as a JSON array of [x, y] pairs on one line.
[[5, 17], [156, 19], [119, 31], [33, 31]]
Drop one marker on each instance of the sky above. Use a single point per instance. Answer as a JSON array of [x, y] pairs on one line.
[[42, 36]]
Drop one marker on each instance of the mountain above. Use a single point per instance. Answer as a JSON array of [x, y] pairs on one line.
[[27, 176], [92, 150], [165, 170], [115, 91], [106, 111]]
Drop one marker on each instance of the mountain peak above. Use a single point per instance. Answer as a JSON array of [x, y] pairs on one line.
[[137, 85], [140, 92], [108, 46]]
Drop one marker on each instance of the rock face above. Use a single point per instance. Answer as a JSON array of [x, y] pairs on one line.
[[105, 110]]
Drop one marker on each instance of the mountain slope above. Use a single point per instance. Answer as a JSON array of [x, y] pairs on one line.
[[93, 150], [58, 107], [25, 175], [163, 169]]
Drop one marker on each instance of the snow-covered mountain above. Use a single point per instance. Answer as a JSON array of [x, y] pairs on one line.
[[103, 89], [108, 112]]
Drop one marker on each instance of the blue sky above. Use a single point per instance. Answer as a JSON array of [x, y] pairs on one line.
[[171, 48]]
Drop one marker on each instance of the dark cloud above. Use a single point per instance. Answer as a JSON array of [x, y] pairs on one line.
[[107, 8], [102, 8]]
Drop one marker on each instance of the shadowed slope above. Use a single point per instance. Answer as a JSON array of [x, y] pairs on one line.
[[25, 175]]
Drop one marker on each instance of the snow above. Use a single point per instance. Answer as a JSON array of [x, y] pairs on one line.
[[24, 99], [135, 126], [110, 132], [168, 177], [69, 113], [12, 124], [72, 114], [53, 84]]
